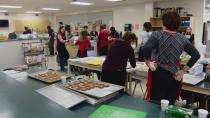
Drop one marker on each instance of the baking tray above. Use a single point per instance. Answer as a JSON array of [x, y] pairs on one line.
[[61, 96], [90, 100], [101, 92], [46, 81]]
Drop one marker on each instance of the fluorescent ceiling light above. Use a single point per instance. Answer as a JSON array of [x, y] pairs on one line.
[[33, 12], [115, 0], [81, 3], [12, 7], [51, 9], [3, 11]]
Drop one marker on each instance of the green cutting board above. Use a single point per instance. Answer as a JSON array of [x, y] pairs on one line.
[[107, 111]]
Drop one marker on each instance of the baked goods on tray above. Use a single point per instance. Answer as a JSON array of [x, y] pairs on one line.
[[85, 84], [48, 76]]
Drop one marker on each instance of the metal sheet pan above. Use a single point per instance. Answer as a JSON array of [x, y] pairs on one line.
[[101, 92], [46, 81], [63, 97], [90, 100]]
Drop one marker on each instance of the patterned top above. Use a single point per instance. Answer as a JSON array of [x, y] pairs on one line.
[[167, 48]]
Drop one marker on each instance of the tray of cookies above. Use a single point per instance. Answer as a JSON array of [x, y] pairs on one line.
[[47, 76], [93, 88]]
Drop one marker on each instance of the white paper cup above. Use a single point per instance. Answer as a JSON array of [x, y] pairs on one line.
[[63, 79], [164, 104], [202, 113]]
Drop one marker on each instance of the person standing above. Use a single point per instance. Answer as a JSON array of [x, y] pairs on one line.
[[189, 35], [83, 43], [144, 37], [114, 66], [85, 28], [52, 39], [61, 48], [27, 31], [166, 47], [103, 41], [94, 34], [113, 36], [68, 32]]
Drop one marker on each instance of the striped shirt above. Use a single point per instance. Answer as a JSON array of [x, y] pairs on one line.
[[167, 48]]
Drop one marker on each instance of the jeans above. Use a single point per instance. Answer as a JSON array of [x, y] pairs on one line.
[[63, 62]]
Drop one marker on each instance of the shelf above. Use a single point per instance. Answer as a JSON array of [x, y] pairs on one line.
[[33, 53], [155, 18], [157, 22]]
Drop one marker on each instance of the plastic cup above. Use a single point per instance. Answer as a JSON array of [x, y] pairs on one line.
[[63, 79], [202, 113], [164, 105]]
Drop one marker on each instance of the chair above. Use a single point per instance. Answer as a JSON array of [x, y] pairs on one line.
[[136, 83]]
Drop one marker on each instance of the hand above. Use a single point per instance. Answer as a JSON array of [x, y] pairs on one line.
[[179, 75], [66, 42], [151, 65]]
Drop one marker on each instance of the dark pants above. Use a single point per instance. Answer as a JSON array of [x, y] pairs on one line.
[[141, 54], [114, 77], [103, 51], [164, 86], [51, 46], [63, 61]]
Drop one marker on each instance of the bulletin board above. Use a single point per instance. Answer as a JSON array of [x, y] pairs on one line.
[[36, 25], [91, 19]]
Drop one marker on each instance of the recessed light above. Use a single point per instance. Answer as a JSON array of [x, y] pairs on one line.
[[51, 9], [33, 12], [3, 11], [115, 0], [81, 3], [208, 5], [12, 7]]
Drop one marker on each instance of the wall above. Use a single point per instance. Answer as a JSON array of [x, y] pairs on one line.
[[106, 17], [129, 14], [195, 7], [206, 15], [11, 17], [134, 14]]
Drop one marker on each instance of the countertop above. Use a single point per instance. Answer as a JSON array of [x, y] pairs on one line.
[[18, 99]]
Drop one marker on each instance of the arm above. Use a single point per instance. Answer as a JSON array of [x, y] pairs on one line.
[[89, 44], [193, 52], [132, 59], [117, 35], [151, 44], [77, 43], [193, 39], [61, 39]]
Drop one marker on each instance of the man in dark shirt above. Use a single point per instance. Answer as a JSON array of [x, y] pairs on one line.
[[27, 31], [114, 67]]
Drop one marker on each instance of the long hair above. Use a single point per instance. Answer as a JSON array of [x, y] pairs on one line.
[[83, 35], [68, 28], [59, 30], [129, 37]]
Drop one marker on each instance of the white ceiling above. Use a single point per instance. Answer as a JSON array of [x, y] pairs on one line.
[[36, 5]]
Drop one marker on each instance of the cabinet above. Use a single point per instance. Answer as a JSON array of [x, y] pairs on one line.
[[185, 22]]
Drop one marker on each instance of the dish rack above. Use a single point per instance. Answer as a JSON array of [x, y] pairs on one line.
[[35, 54]]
